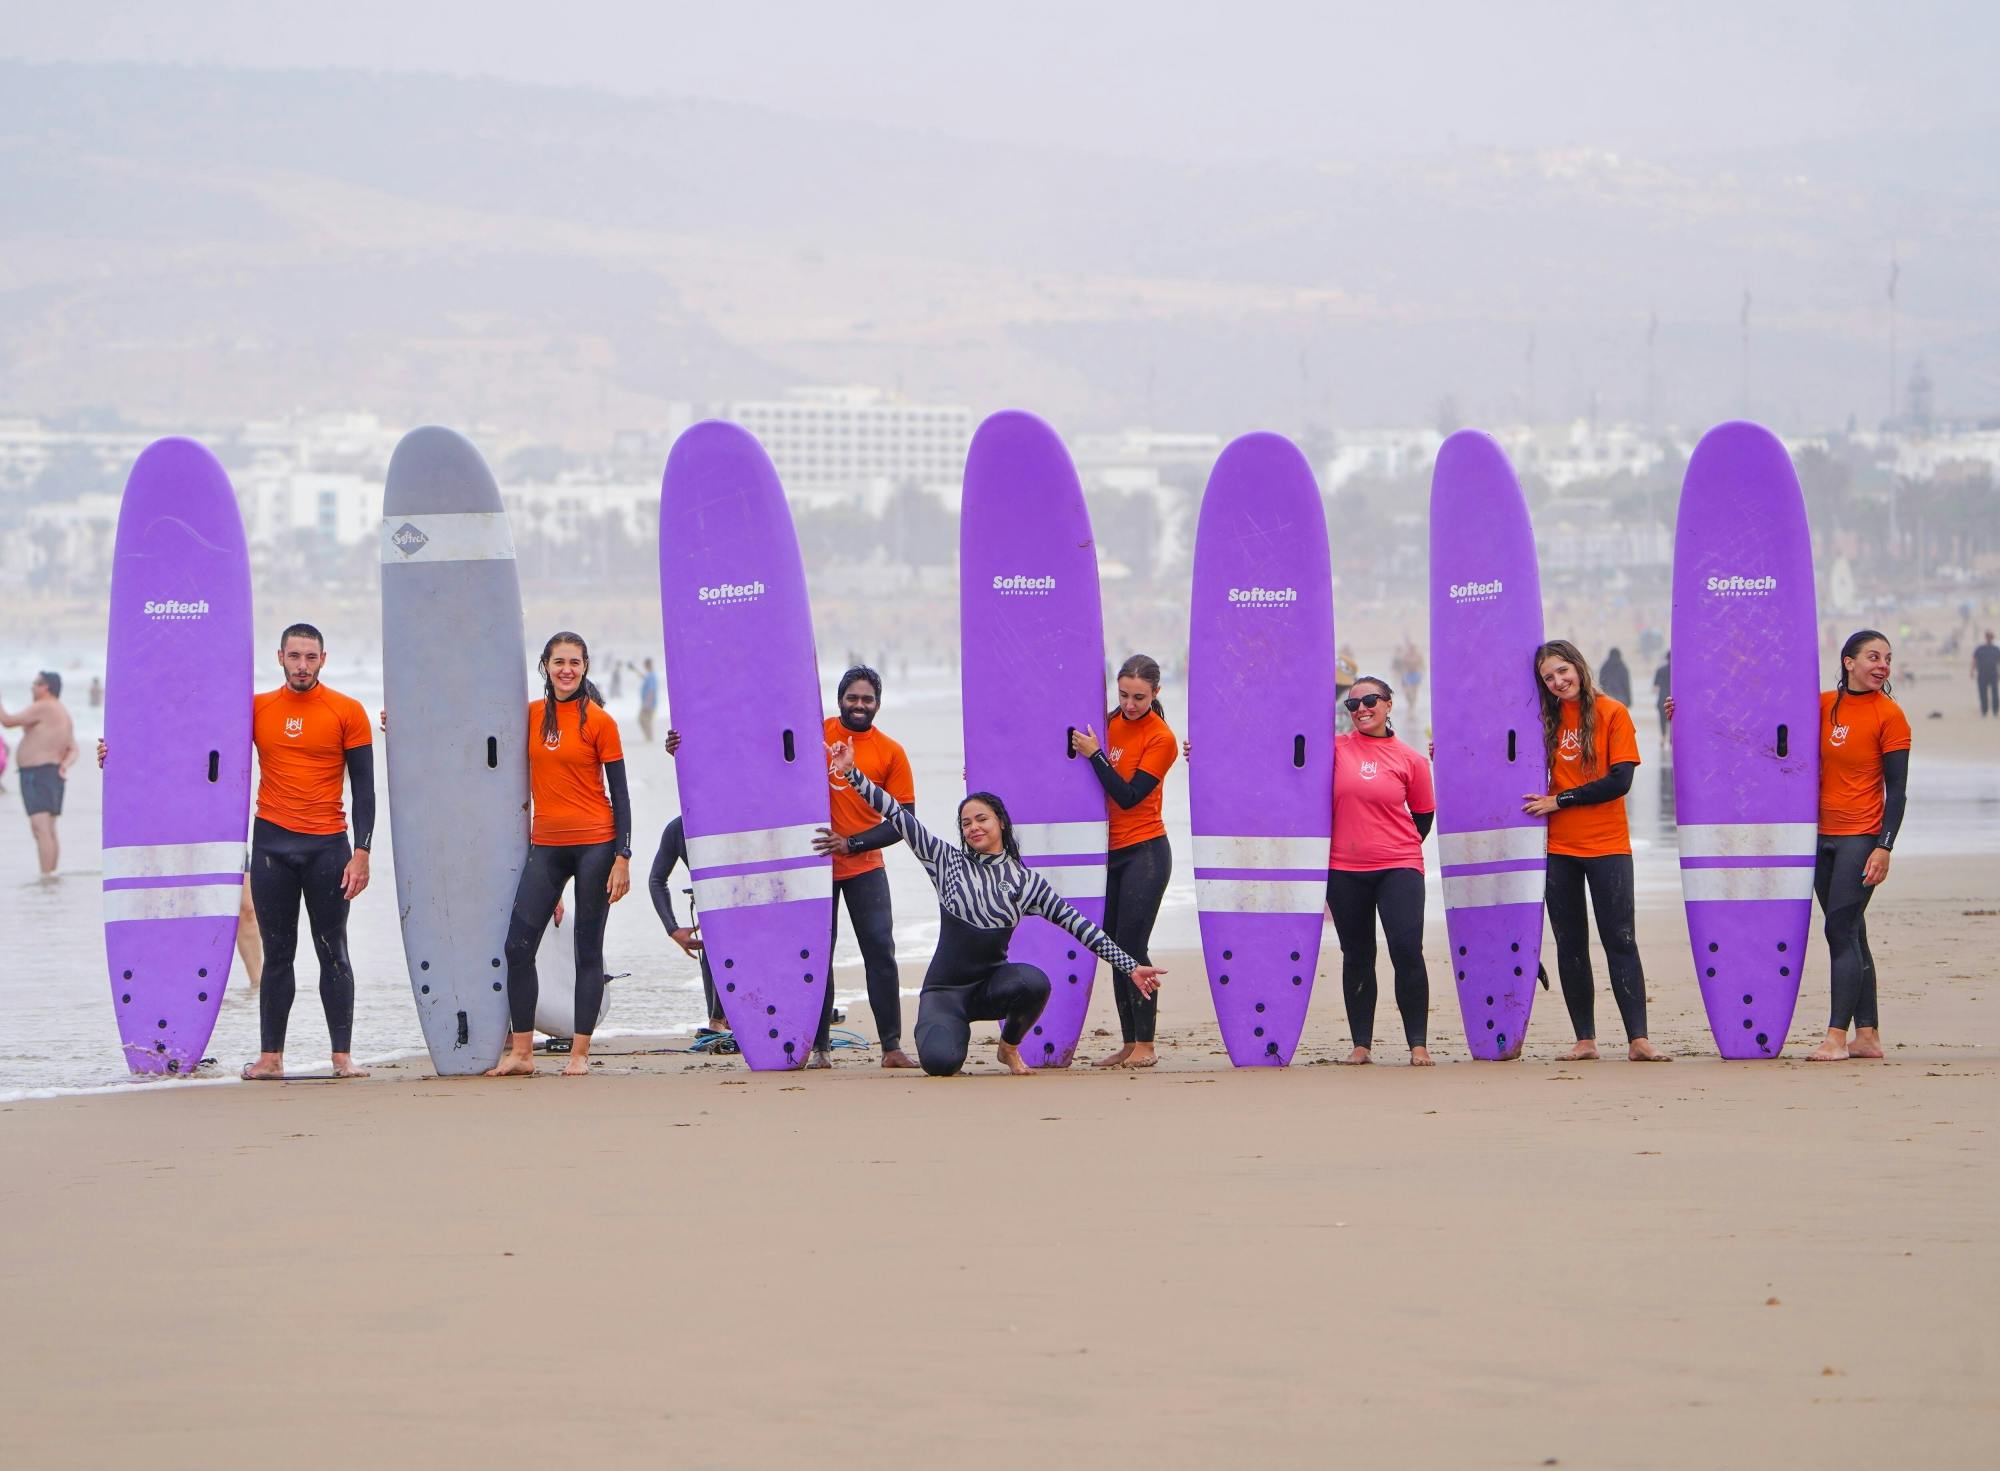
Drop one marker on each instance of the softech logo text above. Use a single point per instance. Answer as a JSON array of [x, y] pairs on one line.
[[173, 610], [1263, 597], [1742, 587], [733, 592], [1476, 592], [1023, 587]]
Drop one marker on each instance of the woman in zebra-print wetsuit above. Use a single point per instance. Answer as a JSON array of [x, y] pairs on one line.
[[983, 890]]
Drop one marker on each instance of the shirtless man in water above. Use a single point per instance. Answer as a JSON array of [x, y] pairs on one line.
[[48, 747]]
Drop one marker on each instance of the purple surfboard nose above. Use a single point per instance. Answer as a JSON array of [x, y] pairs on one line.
[[1745, 732], [1031, 632], [1260, 732], [743, 688], [177, 729], [1486, 622]]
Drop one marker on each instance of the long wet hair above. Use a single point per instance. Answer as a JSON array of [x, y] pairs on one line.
[[1139, 666], [1007, 843], [1388, 726], [1552, 712], [1848, 650], [586, 692]]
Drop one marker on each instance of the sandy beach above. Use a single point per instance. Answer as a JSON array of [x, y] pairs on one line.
[[676, 1260]]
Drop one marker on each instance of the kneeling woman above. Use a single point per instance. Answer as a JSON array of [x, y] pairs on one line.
[[579, 833], [983, 890], [1592, 750]]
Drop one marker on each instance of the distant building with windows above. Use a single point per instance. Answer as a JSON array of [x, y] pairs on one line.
[[835, 446]]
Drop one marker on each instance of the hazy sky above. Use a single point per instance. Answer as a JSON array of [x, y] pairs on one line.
[[1248, 77]]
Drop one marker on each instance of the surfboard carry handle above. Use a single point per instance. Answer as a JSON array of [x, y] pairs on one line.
[[493, 752], [1298, 750], [215, 765], [1069, 743], [1510, 747], [1784, 740], [464, 1030], [791, 752]]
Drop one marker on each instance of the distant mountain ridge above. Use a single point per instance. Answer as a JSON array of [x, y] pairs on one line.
[[220, 243]]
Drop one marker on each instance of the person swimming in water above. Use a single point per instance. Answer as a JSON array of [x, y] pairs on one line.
[[983, 891]]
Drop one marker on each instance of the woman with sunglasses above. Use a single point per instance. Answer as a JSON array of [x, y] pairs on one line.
[[1383, 806], [1592, 749], [983, 890]]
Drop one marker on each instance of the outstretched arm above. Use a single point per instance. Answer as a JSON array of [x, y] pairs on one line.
[[1040, 898]]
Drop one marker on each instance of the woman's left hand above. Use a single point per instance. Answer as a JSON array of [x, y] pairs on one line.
[[1084, 742], [1537, 806], [620, 883], [1876, 868]]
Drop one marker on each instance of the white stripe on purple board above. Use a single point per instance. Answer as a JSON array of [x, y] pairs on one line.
[[1748, 839], [1254, 852], [1792, 882], [171, 860], [1485, 890], [745, 890], [1493, 845], [1051, 839], [191, 901], [753, 845], [1260, 896]]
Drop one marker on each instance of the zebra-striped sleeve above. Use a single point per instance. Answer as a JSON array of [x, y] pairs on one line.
[[1039, 898]]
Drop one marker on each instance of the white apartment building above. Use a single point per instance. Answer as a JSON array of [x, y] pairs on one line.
[[835, 446]]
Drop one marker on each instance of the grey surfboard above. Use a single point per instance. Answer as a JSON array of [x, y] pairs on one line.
[[454, 677]]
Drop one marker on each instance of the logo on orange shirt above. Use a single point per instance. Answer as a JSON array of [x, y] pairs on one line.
[[1837, 736], [1570, 748], [1112, 753], [295, 726]]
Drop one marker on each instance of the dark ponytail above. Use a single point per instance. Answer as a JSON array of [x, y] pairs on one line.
[[1139, 666], [585, 690], [1848, 650]]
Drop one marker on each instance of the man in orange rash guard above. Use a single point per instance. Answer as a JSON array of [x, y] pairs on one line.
[[855, 839], [307, 738]]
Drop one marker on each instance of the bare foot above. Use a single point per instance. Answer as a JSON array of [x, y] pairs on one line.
[[1010, 1059], [578, 1065], [269, 1067], [1143, 1055], [344, 1066], [1584, 1051], [1421, 1057], [1116, 1059], [513, 1065], [1643, 1051], [1867, 1043], [1359, 1057], [820, 1058], [1833, 1049], [897, 1057]]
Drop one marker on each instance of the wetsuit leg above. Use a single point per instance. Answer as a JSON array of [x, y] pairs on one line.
[[1399, 898], [276, 884], [708, 996], [869, 911], [1843, 900], [1351, 899], [1135, 883], [1569, 922], [1014, 996], [944, 1028], [592, 865], [326, 912], [1610, 880], [535, 896]]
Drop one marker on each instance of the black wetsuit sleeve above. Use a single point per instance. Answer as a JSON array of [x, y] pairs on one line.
[[621, 805], [1423, 820], [1896, 796], [673, 848], [930, 849], [882, 835], [361, 784], [1125, 793], [1609, 787]]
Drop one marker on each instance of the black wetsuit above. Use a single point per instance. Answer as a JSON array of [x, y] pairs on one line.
[[673, 853], [1843, 900], [981, 898], [1135, 881], [287, 867], [549, 867], [1609, 880]]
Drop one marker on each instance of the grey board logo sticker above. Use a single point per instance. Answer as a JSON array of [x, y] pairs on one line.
[[408, 540]]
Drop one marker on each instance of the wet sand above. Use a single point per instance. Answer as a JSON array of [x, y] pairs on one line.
[[680, 1262]]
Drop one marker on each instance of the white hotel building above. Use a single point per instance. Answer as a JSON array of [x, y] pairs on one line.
[[835, 446]]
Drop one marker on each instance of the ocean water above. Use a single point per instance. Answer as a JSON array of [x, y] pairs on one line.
[[56, 1026]]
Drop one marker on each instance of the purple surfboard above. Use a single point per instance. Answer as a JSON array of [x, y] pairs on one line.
[[1486, 622], [177, 694], [1031, 632], [1745, 732], [1260, 730], [743, 688]]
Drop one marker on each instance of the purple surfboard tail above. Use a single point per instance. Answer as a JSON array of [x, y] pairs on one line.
[[1261, 728], [743, 686], [1031, 631], [1745, 732], [1486, 622], [177, 696]]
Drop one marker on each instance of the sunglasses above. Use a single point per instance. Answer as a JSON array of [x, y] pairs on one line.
[[1371, 701]]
